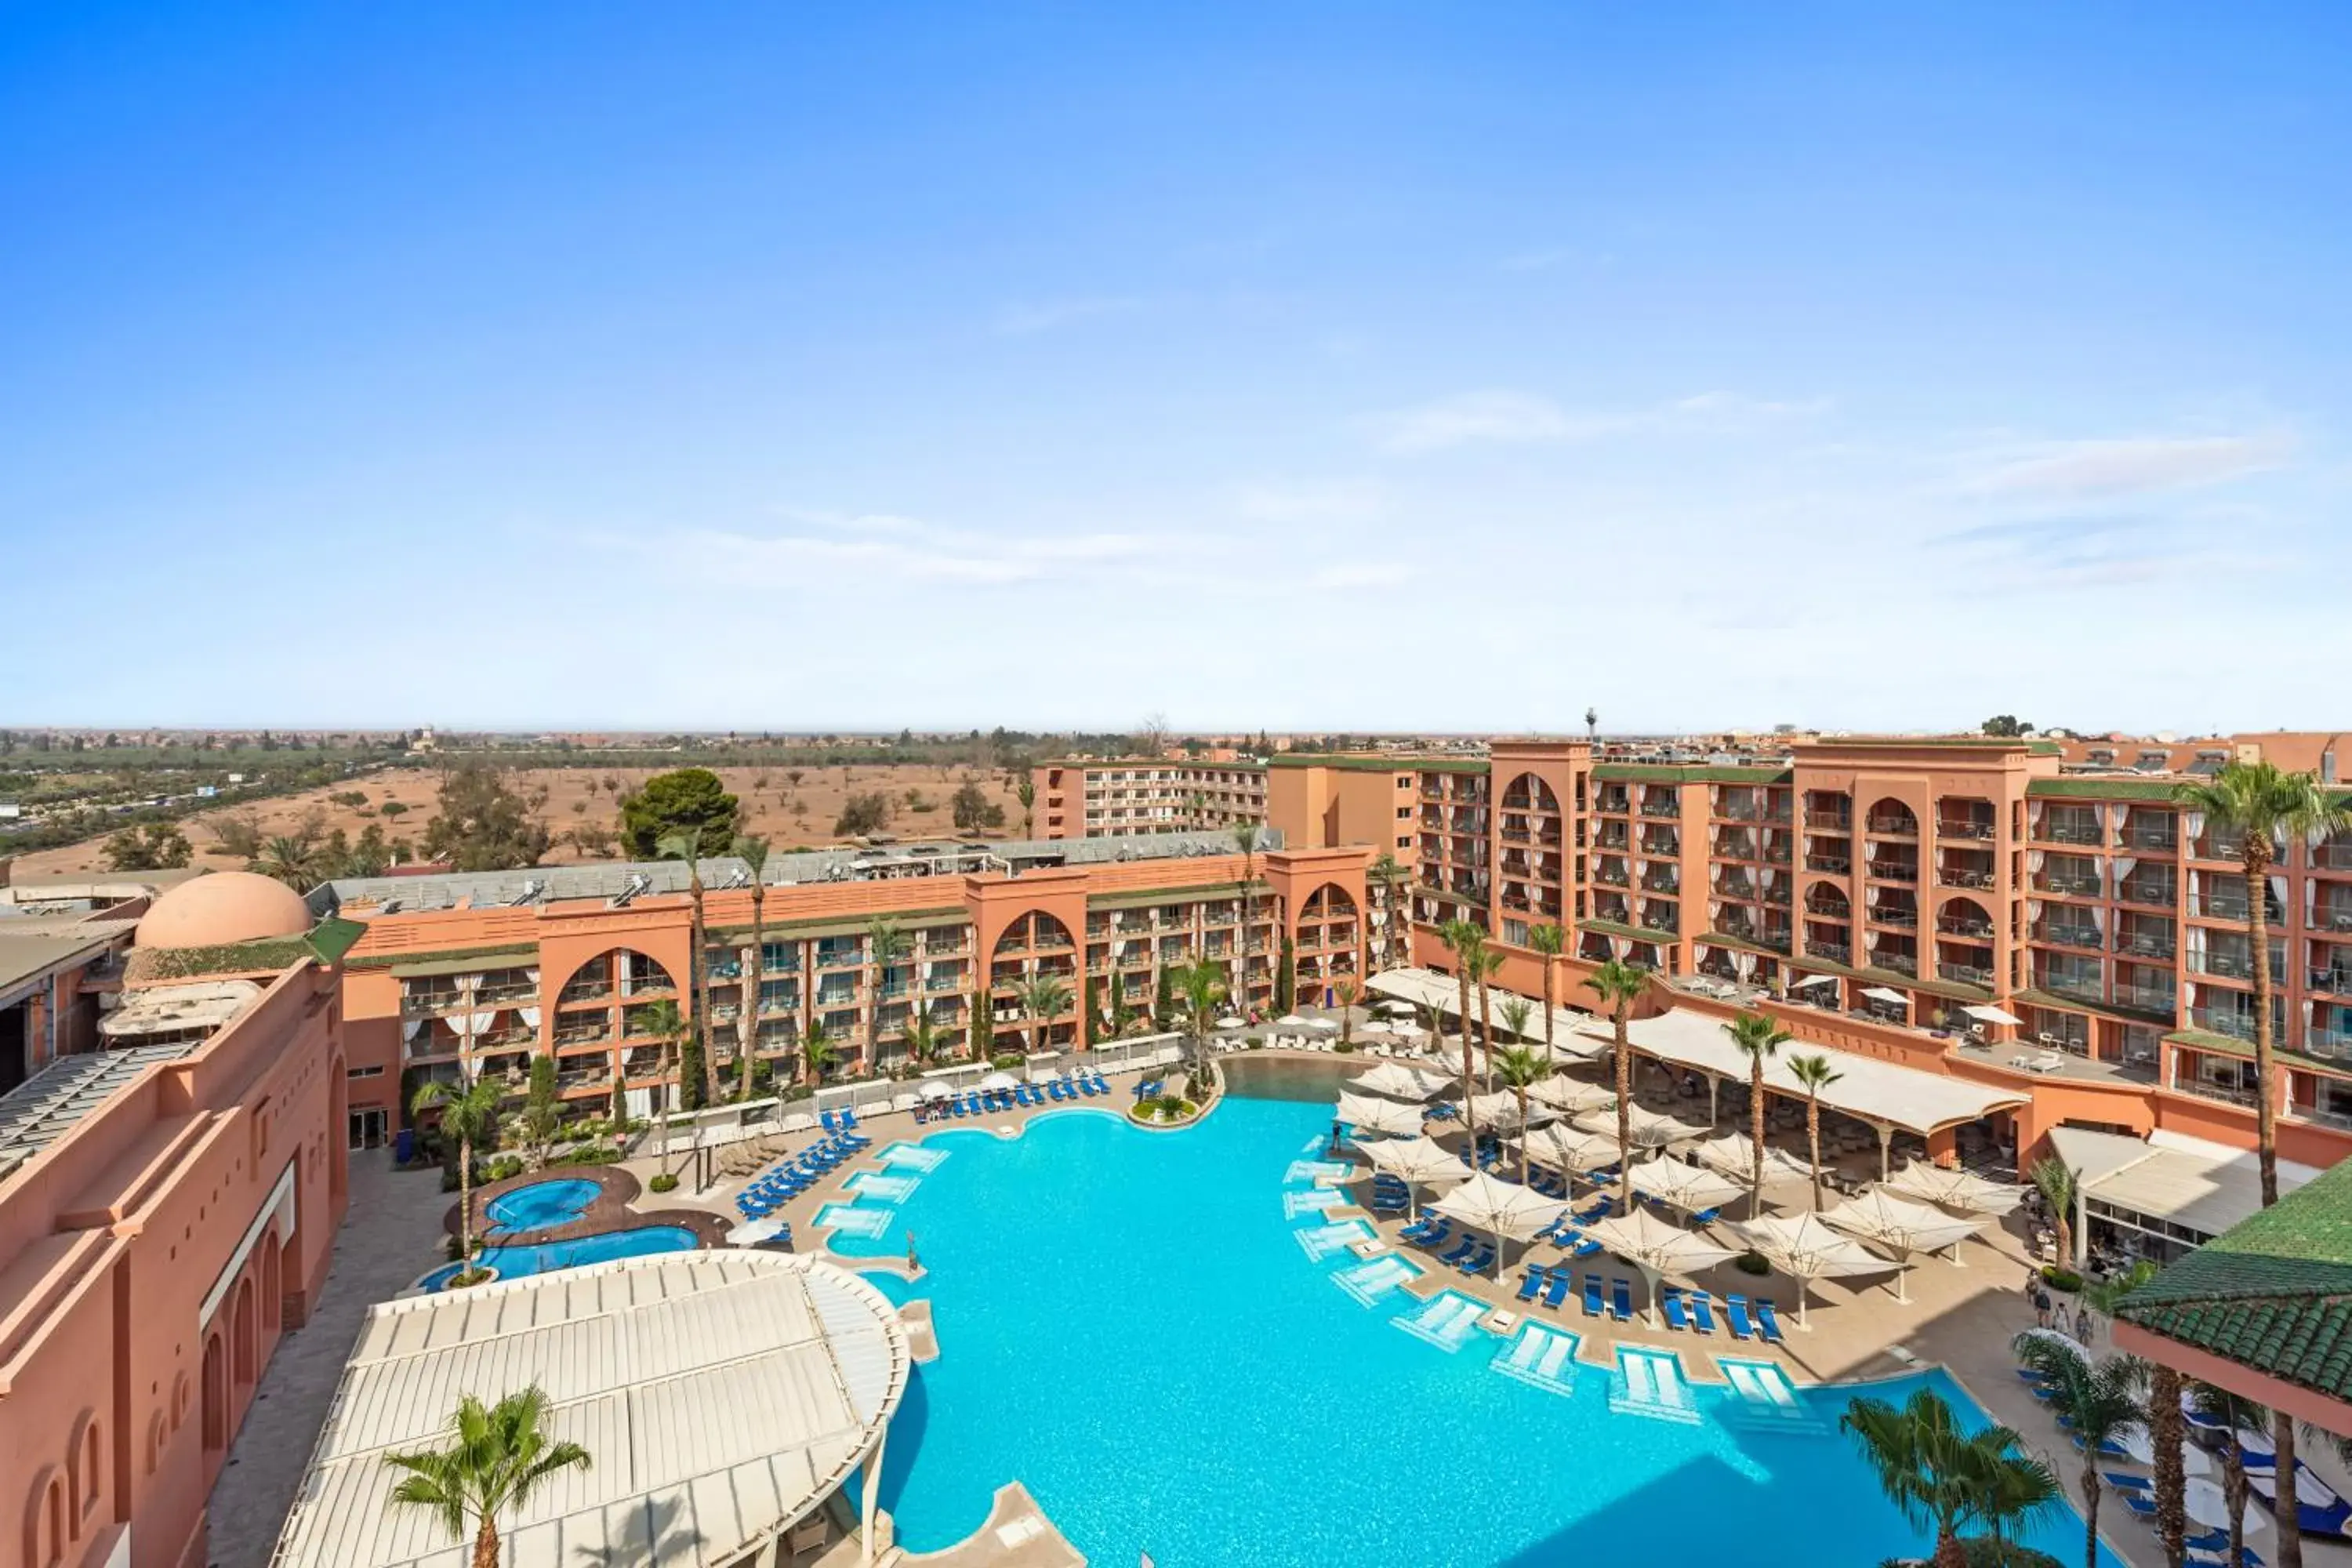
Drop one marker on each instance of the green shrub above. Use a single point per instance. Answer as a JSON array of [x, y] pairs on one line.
[[2064, 1280], [1007, 1059], [1984, 1552], [588, 1155], [505, 1166], [663, 1183], [1751, 1263]]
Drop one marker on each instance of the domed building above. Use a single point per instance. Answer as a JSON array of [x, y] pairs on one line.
[[225, 907]]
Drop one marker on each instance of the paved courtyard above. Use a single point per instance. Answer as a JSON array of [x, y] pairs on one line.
[[391, 1235]]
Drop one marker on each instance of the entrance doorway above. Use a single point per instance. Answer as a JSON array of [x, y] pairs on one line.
[[368, 1129]]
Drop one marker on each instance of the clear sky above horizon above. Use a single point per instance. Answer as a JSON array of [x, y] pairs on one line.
[[1344, 366]]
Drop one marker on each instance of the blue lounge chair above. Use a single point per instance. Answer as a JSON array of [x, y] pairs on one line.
[[1704, 1217], [1461, 1249], [1556, 1289], [1621, 1300], [1702, 1311], [1422, 1229], [1532, 1286], [1675, 1317], [824, 1119], [1767, 1320], [1480, 1259], [2125, 1482], [2139, 1503], [1592, 1295], [2220, 1557], [849, 1120], [1735, 1311], [1585, 1248]]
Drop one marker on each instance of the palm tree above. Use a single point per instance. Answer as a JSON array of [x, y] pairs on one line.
[[470, 1114], [1391, 876], [2016, 1489], [1518, 1068], [885, 944], [1025, 792], [665, 1023], [1939, 1478], [2263, 804], [1547, 942], [1758, 1038], [1515, 1012], [1044, 998], [1348, 993], [1467, 939], [753, 852], [1816, 1074], [1490, 965], [497, 1458], [2164, 1421], [817, 1053], [2097, 1400], [1620, 985], [686, 844], [1247, 836], [2233, 1412], [923, 1043], [2060, 1188], [1204, 989], [293, 861]]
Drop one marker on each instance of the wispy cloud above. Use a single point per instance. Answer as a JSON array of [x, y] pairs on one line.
[[1337, 500], [2081, 550], [1043, 316], [905, 548], [2131, 466], [1526, 419]]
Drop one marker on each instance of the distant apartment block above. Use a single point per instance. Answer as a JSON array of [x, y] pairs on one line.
[[1081, 799]]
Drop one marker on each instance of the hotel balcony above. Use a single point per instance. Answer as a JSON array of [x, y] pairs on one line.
[[1661, 800], [2145, 936], [1962, 818], [1898, 823], [2154, 832], [1825, 809], [1661, 914], [1661, 841], [2333, 855], [1612, 835], [1831, 864], [1739, 885], [2071, 824], [1894, 907], [1611, 872], [2075, 980], [1965, 974], [1895, 954], [2071, 933], [2148, 886], [2071, 877], [1613, 908], [1834, 952], [2331, 914], [1612, 800], [1738, 804], [584, 989], [1954, 924], [1662, 879], [1884, 867], [1734, 844], [1779, 848], [2216, 896]]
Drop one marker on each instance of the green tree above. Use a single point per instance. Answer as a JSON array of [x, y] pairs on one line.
[[2097, 1399], [1816, 1074], [1044, 998], [973, 810], [924, 1045], [1163, 998], [1467, 939], [753, 852], [1759, 1039], [1489, 965], [2164, 1420], [1520, 1068], [1391, 877], [885, 944], [816, 1053], [1547, 942], [2263, 804], [1620, 985], [666, 1023], [479, 823], [497, 1458], [157, 847], [291, 858], [469, 1113], [1205, 989], [542, 1110], [686, 800], [697, 1081], [1517, 1012], [1025, 792], [1348, 991], [1938, 1476], [2007, 724], [1285, 977], [2060, 1188]]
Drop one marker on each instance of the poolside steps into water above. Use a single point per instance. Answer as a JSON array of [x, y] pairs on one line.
[[1541, 1356], [1313, 1171], [914, 1156], [1320, 1241], [1762, 1397], [1376, 1278], [1446, 1320], [1314, 1202], [1650, 1383]]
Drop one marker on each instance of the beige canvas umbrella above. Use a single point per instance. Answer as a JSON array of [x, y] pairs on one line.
[[1657, 1249], [1805, 1250], [1369, 1113], [1734, 1155], [1901, 1226], [1499, 1111], [1564, 1148], [1397, 1081], [1954, 1189], [1505, 1210], [1571, 1097], [1418, 1161], [1647, 1131], [1691, 1188]]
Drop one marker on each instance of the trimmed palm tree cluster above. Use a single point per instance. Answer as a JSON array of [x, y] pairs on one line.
[[1944, 1480], [2060, 1188], [469, 1113], [1620, 985], [1520, 1068], [497, 1458], [2163, 1418], [1044, 998], [1204, 987], [663, 1021], [2099, 1402], [1759, 1039]]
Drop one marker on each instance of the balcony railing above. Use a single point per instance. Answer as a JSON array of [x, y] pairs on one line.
[[2070, 886], [1962, 877], [1893, 871], [2080, 987], [2082, 936], [1889, 915], [1906, 827], [1965, 974], [1950, 827], [1835, 952], [2147, 998], [1838, 819], [2228, 1093], [2164, 840], [2337, 980], [2148, 890], [1837, 864], [1959, 925], [2071, 833]]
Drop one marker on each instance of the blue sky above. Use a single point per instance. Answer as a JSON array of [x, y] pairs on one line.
[[1348, 366]]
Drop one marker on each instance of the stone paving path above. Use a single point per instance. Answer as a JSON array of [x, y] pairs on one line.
[[391, 1235]]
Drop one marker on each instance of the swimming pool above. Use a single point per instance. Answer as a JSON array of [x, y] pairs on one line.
[[1128, 1326], [541, 1205], [514, 1262]]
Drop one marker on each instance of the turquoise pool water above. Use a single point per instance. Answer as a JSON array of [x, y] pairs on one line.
[[1129, 1326], [541, 1205], [514, 1262]]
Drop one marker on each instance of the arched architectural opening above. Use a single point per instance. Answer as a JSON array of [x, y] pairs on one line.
[[1890, 816], [602, 1023], [1529, 793], [155, 1435], [273, 1263], [1034, 947], [215, 1395], [45, 1521], [338, 1113], [89, 1474], [244, 1334], [1827, 900]]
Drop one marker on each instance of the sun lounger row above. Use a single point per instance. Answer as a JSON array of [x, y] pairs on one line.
[[788, 1178], [2209, 1550]]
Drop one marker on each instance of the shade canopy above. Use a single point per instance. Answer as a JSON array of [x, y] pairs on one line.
[[1442, 994], [1805, 1250], [1423, 1161], [935, 1090], [1883, 1093], [1232, 1021], [1289, 1021], [1564, 1148], [1397, 1081], [1657, 1249], [1369, 1113], [996, 1081], [1644, 1129], [1501, 1110], [1734, 1155], [1812, 980], [1484, 1203], [1691, 1187], [1323, 1025], [1986, 1012], [2203, 1499], [1955, 1188], [1571, 1097], [1899, 1223], [1887, 993]]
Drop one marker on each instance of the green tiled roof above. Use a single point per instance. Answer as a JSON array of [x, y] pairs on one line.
[[2273, 1293], [1745, 944], [2103, 786], [2218, 1044], [1618, 928], [1351, 762], [1693, 772]]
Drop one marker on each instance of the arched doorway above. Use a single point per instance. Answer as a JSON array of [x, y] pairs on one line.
[[244, 1334], [1033, 954], [273, 1277], [215, 1395]]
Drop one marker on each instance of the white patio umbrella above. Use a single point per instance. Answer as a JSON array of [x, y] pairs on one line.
[[1955, 1188], [997, 1081], [2194, 1460], [1389, 1118], [1687, 1188], [1805, 1250], [1499, 1111], [1734, 1155], [935, 1091], [1397, 1010], [1646, 1130], [1290, 1021], [1418, 1161], [1401, 1082], [1571, 1097], [1565, 1149], [2203, 1500], [1232, 1021], [1507, 1211], [1046, 1075], [752, 1232], [1323, 1025], [1657, 1249], [1901, 1226]]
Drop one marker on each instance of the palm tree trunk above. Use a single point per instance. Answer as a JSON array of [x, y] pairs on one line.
[[465, 1205], [1756, 1133], [1950, 1554], [697, 979], [2171, 1521], [1552, 1055], [1469, 1121], [2258, 932], [486, 1542], [2287, 1511], [1813, 1139], [1487, 1033], [1624, 1115], [2091, 1507], [2233, 1498], [1523, 1134]]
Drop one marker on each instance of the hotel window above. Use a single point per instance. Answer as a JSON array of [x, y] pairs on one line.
[[363, 1072]]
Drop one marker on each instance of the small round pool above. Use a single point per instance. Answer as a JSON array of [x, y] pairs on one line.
[[541, 1205], [514, 1262]]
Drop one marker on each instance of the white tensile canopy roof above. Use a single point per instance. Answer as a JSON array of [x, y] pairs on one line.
[[1571, 1097], [1899, 1225], [1501, 1110], [1955, 1188], [1483, 1202], [1399, 1081], [1369, 1113], [1647, 1128], [1879, 1092], [1805, 1250], [1442, 994], [1657, 1249], [1688, 1187], [1564, 1149], [1985, 1013], [723, 1396], [1887, 993], [1734, 1155], [1422, 1160], [2169, 1179], [999, 1080]]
